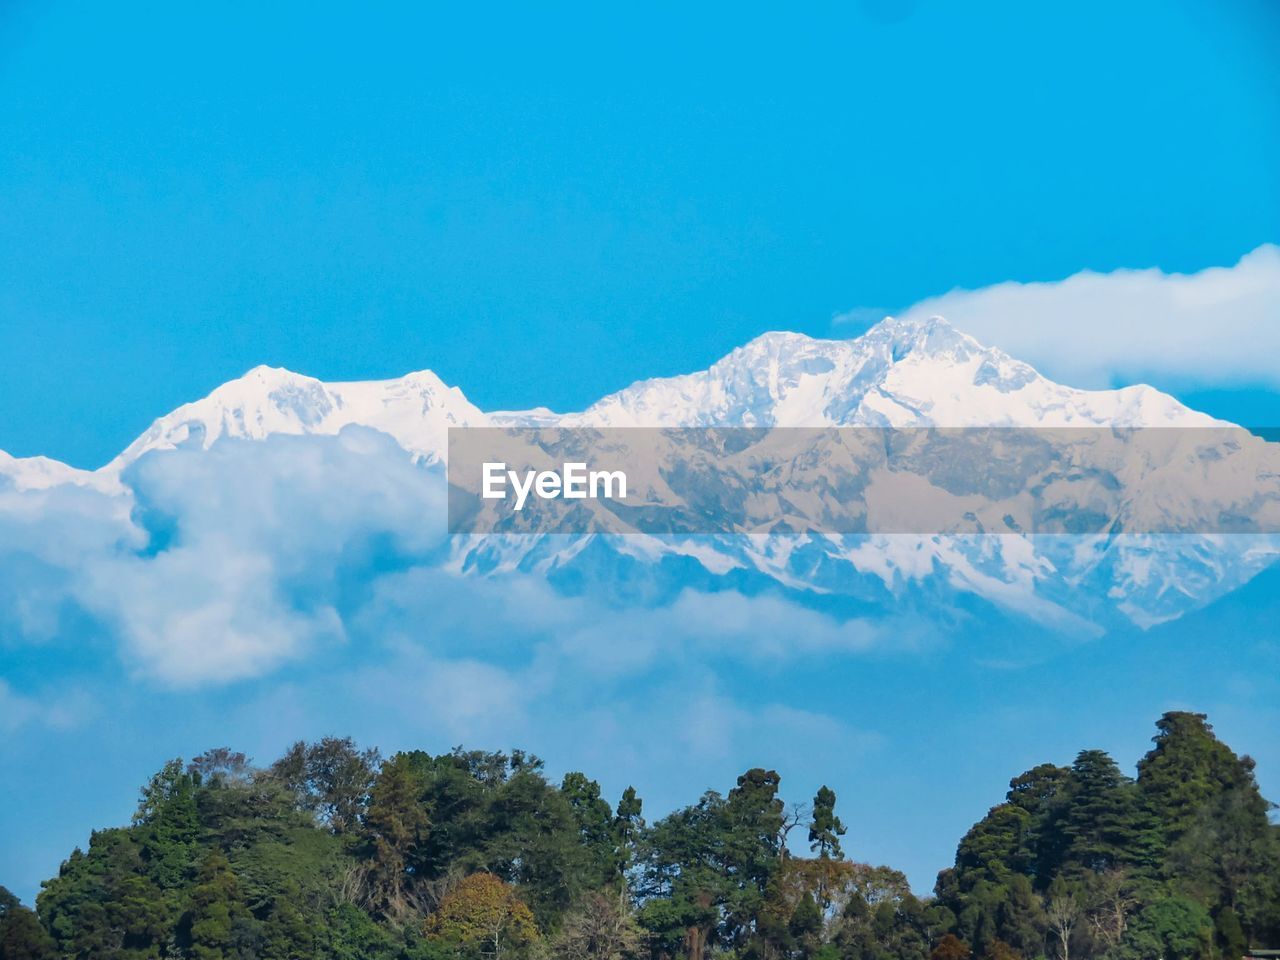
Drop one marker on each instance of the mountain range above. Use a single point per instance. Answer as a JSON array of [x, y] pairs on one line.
[[901, 373]]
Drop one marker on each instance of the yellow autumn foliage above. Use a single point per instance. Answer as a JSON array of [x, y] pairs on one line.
[[483, 909]]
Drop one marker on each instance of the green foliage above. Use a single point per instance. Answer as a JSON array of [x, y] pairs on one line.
[[713, 863], [825, 830], [1174, 928], [881, 919], [997, 848], [628, 828], [21, 936], [330, 779], [105, 904], [217, 923], [332, 853], [1229, 934], [168, 825], [1103, 822], [596, 832], [396, 826], [1186, 769]]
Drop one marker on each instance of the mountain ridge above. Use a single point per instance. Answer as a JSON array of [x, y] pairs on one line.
[[900, 372]]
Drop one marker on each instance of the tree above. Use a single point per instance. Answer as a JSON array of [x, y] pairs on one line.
[[628, 826], [336, 854], [753, 829], [1022, 920], [951, 947], [103, 903], [1224, 848], [21, 936], [997, 848], [1103, 823], [330, 779], [599, 927], [1230, 935], [805, 925], [220, 765], [1186, 768], [825, 830], [707, 868], [1062, 911], [1040, 792], [999, 950], [684, 885], [286, 934], [532, 837], [168, 825], [1174, 928], [485, 912], [217, 919], [1111, 899], [595, 827], [396, 824], [1037, 789]]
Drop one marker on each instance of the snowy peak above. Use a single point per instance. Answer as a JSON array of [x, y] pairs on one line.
[[416, 410], [264, 401], [39, 473], [899, 373]]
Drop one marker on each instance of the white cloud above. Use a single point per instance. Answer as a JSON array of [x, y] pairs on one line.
[[1220, 326], [65, 711], [217, 565], [227, 564]]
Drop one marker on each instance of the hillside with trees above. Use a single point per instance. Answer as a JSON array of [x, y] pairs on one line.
[[334, 851]]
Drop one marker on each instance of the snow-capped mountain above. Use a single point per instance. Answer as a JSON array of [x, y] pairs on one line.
[[898, 374], [416, 410], [40, 473]]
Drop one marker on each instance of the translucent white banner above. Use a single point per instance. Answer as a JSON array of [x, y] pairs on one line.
[[853, 480]]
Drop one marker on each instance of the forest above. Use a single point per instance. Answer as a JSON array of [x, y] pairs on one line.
[[334, 851]]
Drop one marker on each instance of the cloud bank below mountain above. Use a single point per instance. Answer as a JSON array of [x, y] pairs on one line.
[[225, 564]]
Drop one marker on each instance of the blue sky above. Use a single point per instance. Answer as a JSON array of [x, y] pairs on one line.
[[546, 205], [542, 207]]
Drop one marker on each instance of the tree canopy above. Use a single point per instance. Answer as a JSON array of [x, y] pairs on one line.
[[333, 851]]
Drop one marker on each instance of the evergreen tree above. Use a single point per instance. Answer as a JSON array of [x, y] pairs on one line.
[[1078, 863], [217, 921], [396, 824], [1173, 928], [595, 827], [1040, 792], [1022, 921], [1229, 934], [1186, 769], [628, 827], [997, 848], [21, 936], [1104, 824], [286, 934], [169, 825], [825, 830]]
